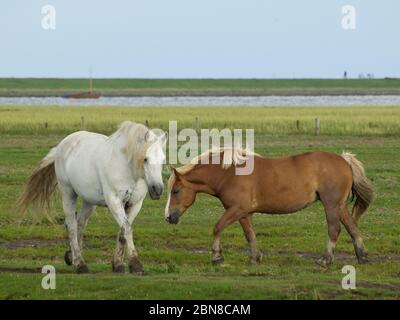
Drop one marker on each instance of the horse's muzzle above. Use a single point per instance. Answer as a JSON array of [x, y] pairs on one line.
[[155, 191], [173, 217]]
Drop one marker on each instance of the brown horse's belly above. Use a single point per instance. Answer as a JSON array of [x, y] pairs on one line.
[[289, 203], [285, 210]]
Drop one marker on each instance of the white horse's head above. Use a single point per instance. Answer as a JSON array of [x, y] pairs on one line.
[[145, 151], [153, 161]]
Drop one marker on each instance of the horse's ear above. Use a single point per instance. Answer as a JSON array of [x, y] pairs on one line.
[[147, 136], [176, 173], [164, 138]]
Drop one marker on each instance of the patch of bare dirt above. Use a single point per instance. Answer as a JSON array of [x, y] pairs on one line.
[[42, 243], [33, 243], [349, 257], [343, 257], [27, 270]]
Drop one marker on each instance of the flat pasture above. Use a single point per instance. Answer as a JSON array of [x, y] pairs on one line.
[[177, 259]]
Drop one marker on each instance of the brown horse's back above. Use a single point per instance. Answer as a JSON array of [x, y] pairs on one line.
[[288, 184]]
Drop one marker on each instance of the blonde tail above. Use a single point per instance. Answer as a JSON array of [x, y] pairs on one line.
[[40, 185], [362, 186]]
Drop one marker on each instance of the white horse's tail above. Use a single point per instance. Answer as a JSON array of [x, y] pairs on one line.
[[40, 185]]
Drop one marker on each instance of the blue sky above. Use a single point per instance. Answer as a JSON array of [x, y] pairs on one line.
[[199, 39]]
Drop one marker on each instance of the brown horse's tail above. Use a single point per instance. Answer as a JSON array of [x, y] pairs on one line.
[[40, 185], [362, 187]]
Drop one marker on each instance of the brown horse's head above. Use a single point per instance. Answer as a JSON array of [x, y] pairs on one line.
[[181, 195]]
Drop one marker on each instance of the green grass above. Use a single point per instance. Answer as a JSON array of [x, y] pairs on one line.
[[17, 87], [177, 258]]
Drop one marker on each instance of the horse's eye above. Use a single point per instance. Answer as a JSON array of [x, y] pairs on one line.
[[176, 191], [145, 160]]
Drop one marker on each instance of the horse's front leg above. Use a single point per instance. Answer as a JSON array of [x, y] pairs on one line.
[[118, 259], [250, 235], [134, 264], [124, 220], [231, 215]]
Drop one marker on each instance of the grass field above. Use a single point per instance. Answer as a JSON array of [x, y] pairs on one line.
[[365, 121], [173, 87], [177, 258]]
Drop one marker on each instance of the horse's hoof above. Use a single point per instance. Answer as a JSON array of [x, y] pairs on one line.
[[324, 262], [68, 257], [119, 268], [135, 266], [82, 268], [256, 259], [361, 255], [363, 260], [217, 261]]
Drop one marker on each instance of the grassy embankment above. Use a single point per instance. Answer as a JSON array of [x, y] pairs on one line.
[[200, 87]]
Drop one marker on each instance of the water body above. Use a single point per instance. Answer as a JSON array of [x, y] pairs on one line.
[[382, 100]]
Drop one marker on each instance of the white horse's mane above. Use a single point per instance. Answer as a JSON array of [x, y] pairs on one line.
[[136, 143]]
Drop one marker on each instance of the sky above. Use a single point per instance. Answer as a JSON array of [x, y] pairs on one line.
[[199, 39]]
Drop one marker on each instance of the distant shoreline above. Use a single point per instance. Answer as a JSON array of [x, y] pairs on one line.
[[207, 101]]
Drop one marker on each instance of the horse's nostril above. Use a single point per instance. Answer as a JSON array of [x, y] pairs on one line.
[[156, 190]]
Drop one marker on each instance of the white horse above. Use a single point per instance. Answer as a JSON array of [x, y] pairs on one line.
[[115, 171]]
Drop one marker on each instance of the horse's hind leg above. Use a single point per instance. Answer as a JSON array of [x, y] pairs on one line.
[[351, 227], [247, 226], [333, 221], [69, 205], [82, 218]]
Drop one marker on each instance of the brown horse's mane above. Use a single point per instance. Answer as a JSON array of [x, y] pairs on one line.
[[230, 157]]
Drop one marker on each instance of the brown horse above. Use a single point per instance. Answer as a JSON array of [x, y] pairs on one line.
[[275, 186]]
